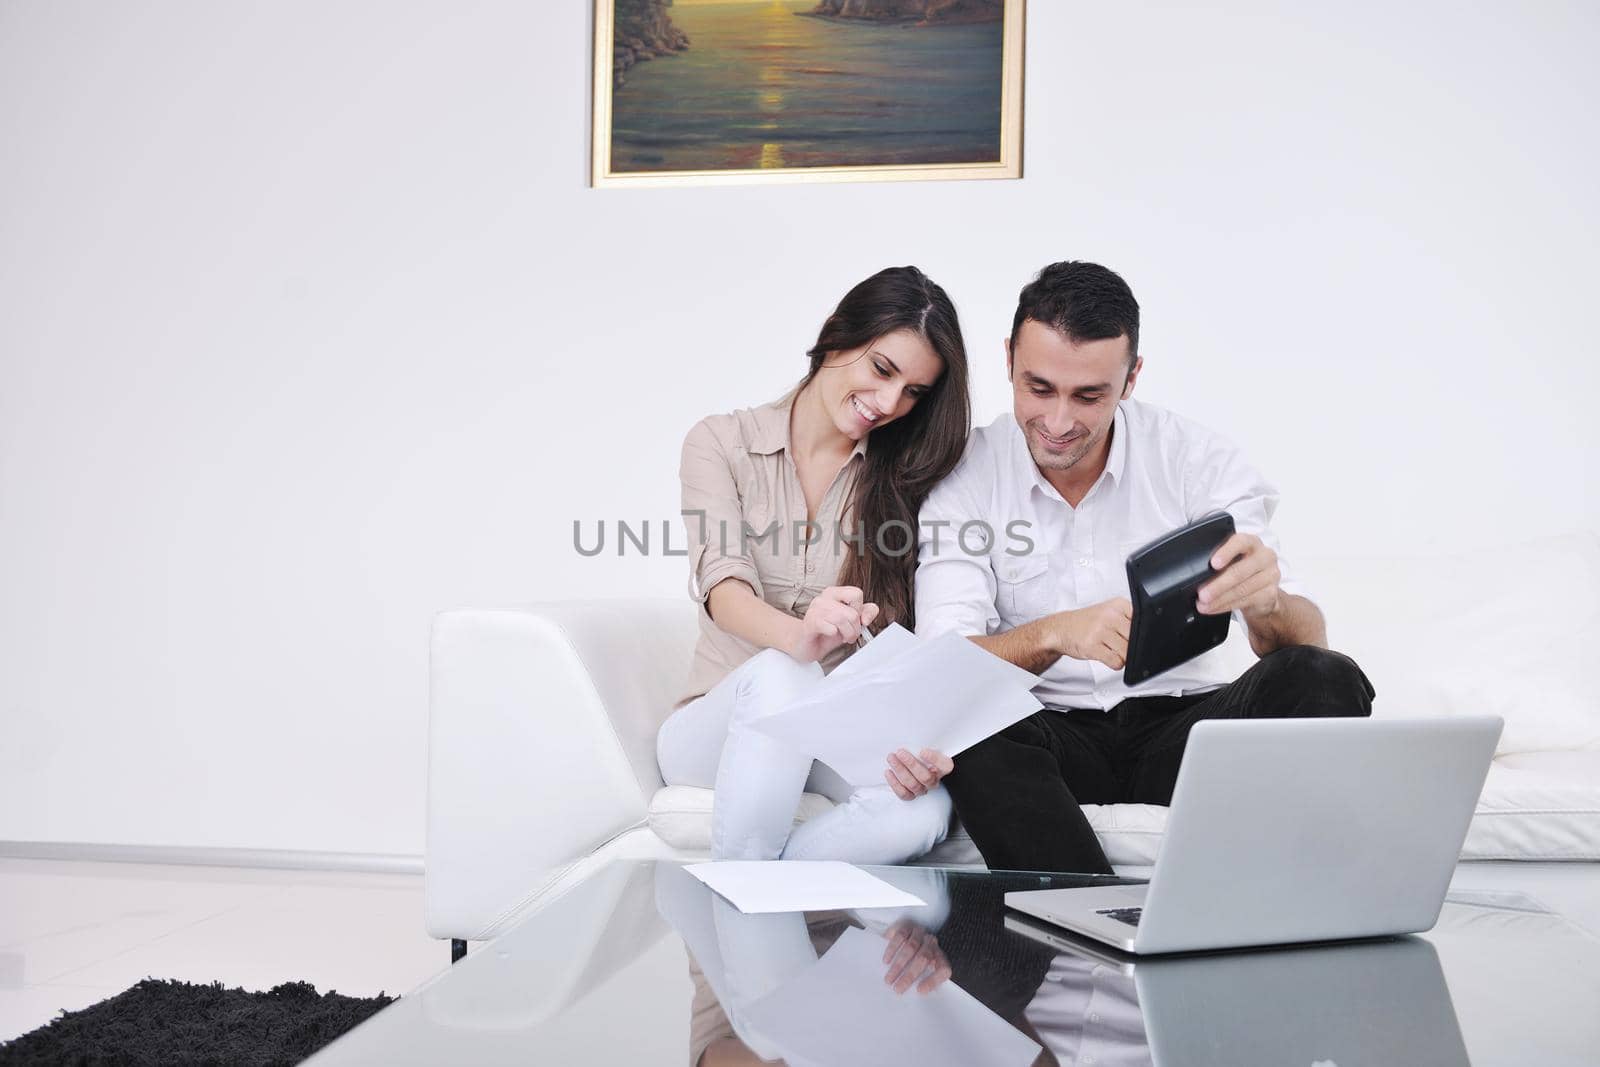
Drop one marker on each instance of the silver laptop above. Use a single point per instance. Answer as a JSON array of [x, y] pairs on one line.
[[1295, 830]]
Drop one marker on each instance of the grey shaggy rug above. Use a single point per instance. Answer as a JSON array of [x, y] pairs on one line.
[[171, 1022]]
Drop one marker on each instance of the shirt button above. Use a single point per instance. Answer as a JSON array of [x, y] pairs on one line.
[[811, 568], [1094, 1016], [1084, 561]]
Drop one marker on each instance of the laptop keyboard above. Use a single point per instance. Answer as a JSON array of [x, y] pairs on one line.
[[1122, 915]]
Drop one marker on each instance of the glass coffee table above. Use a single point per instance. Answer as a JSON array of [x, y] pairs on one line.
[[641, 964]]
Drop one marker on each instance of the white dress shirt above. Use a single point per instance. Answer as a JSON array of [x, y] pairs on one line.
[[1045, 556]]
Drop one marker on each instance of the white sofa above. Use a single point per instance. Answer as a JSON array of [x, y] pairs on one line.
[[542, 729]]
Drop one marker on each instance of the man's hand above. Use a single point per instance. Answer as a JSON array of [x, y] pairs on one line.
[[1097, 632], [1248, 581], [914, 953], [911, 777], [836, 617]]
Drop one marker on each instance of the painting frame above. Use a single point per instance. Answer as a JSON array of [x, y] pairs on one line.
[[1008, 166]]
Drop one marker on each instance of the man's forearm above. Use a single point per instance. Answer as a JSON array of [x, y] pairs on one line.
[[1296, 622], [1030, 646]]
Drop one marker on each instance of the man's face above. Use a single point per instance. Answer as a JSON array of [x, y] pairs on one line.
[[1064, 394]]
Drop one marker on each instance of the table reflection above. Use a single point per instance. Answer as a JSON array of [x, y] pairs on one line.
[[832, 988], [1373, 1002], [962, 982]]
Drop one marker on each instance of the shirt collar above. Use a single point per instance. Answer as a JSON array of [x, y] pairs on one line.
[[1117, 460], [771, 431]]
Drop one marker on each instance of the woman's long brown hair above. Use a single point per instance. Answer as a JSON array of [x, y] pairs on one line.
[[912, 454]]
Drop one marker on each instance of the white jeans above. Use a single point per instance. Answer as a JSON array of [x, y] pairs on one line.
[[758, 782]]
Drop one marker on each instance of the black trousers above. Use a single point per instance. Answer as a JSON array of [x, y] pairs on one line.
[[1018, 792]]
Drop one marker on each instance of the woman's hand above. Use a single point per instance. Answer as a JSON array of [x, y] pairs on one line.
[[911, 777], [836, 617]]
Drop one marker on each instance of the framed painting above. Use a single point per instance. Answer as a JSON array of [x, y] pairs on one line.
[[722, 91]]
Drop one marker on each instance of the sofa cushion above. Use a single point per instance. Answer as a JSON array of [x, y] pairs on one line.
[[1538, 806], [1535, 806], [1130, 833]]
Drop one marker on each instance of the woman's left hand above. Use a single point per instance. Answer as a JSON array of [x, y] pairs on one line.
[[911, 777]]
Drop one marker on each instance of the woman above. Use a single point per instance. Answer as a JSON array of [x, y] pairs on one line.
[[801, 538]]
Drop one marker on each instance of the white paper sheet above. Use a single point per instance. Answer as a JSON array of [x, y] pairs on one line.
[[868, 1024], [899, 691], [755, 886], [894, 640]]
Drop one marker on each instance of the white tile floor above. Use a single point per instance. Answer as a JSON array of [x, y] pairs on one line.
[[73, 933]]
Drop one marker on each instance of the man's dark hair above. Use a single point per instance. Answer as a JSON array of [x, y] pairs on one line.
[[1082, 302]]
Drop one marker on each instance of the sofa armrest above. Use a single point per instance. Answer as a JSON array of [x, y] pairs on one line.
[[541, 739]]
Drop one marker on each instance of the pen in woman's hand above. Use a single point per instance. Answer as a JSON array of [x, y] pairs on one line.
[[869, 612]]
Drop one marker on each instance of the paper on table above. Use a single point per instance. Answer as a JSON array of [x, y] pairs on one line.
[[868, 1023], [946, 694], [799, 885]]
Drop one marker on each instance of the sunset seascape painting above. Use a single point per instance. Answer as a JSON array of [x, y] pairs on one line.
[[751, 90]]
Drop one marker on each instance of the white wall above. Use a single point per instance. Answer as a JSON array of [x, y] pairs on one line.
[[310, 328]]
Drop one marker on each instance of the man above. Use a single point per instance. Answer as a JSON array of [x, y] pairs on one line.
[[1023, 549]]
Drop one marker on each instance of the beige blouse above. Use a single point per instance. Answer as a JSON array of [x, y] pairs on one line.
[[746, 518]]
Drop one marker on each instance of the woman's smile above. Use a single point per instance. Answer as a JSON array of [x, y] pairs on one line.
[[866, 414]]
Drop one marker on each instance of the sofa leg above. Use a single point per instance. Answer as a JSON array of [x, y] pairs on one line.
[[458, 948]]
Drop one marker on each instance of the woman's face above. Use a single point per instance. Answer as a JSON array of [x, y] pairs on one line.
[[865, 388]]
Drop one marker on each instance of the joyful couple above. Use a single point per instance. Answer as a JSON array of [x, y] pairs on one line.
[[905, 517]]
